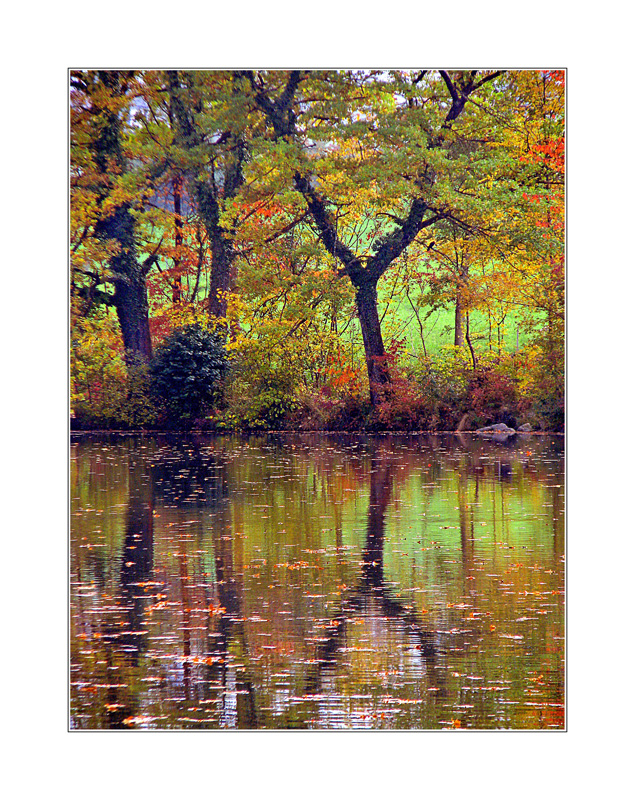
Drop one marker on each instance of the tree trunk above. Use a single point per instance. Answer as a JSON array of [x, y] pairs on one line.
[[131, 302], [131, 294], [378, 375], [469, 341], [178, 238], [220, 278], [210, 195], [461, 287], [119, 226], [458, 320]]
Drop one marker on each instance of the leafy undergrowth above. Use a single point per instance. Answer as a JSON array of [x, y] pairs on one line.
[[194, 383]]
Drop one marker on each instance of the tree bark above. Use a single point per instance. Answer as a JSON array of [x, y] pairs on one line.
[[469, 341], [221, 276], [458, 320], [131, 302], [178, 238], [378, 374], [128, 278], [209, 196]]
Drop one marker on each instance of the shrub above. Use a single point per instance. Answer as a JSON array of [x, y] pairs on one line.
[[541, 385], [98, 370], [326, 409], [137, 408], [443, 381], [492, 397], [187, 372], [261, 390]]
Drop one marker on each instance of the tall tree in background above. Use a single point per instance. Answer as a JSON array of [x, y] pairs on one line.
[[212, 158]]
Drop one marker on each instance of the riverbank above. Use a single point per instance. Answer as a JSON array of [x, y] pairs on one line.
[[282, 431]]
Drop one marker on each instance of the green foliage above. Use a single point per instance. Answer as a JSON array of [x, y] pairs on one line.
[[444, 377], [541, 383], [484, 256], [187, 371], [452, 388], [262, 387], [138, 408], [105, 392], [98, 372]]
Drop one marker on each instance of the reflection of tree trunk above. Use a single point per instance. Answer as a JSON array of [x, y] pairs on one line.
[[558, 526], [230, 623], [126, 640], [372, 585], [137, 555], [336, 503], [186, 605], [467, 537], [373, 555]]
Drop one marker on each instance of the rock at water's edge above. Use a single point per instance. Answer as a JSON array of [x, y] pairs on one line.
[[499, 427]]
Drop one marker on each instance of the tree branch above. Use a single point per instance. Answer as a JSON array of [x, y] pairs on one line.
[[451, 87], [152, 259], [392, 245], [487, 78]]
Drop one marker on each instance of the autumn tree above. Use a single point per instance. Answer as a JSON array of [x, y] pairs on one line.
[[293, 205], [107, 195], [387, 137], [541, 155]]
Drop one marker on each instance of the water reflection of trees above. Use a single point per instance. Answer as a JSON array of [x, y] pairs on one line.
[[112, 615], [125, 645], [372, 592], [231, 678], [189, 473], [227, 676]]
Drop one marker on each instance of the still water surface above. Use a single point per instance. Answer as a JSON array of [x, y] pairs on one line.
[[317, 581]]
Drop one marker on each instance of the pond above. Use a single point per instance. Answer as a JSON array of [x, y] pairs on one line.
[[317, 581]]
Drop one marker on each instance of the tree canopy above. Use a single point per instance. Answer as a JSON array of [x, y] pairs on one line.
[[319, 222]]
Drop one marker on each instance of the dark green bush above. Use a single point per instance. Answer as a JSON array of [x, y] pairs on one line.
[[187, 372]]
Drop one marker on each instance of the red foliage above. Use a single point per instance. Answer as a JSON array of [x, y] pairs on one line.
[[492, 395]]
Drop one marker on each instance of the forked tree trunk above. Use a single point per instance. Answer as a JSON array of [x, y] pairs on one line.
[[364, 273]]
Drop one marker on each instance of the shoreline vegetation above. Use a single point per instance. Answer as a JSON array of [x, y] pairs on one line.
[[354, 250], [150, 432]]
